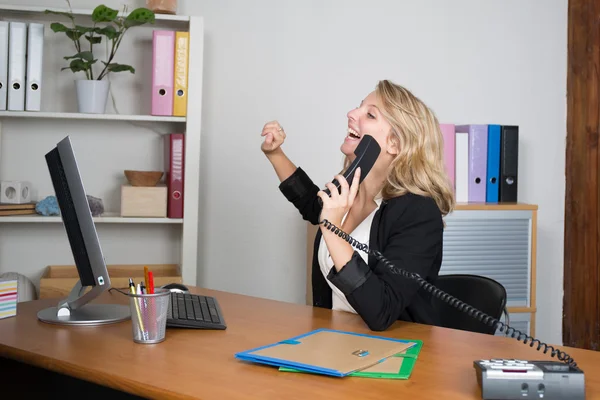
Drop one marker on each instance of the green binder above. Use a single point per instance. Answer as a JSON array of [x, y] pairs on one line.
[[398, 366]]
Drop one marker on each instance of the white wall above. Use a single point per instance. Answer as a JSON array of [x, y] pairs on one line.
[[307, 63]]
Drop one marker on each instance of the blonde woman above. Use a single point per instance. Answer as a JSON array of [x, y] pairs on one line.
[[397, 210]]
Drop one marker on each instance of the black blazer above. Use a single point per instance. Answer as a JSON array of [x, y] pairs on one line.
[[407, 230]]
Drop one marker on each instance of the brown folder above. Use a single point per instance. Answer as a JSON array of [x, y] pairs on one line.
[[327, 351]]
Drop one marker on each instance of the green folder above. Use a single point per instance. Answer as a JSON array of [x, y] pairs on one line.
[[399, 366]]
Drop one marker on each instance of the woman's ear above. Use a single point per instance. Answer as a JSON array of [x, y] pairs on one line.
[[392, 145]]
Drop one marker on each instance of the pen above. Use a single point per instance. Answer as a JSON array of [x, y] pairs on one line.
[[150, 283], [143, 291], [137, 307]]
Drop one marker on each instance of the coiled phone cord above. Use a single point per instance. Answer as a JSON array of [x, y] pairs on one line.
[[453, 301]]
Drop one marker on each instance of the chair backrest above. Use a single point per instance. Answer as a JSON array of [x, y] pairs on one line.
[[483, 293]]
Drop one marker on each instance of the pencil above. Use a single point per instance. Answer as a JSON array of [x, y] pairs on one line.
[[146, 275]]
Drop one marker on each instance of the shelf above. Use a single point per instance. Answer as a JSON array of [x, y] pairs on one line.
[[82, 12], [105, 117], [108, 218], [495, 206]]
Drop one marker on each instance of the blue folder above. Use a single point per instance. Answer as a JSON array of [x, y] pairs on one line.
[[327, 351]]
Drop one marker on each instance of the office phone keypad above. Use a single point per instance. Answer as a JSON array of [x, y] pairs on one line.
[[522, 379]]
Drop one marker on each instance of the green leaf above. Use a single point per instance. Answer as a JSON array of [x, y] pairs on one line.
[[58, 27], [108, 31], [84, 55], [104, 14], [83, 29], [73, 34], [114, 67], [94, 39], [64, 14], [77, 65], [139, 16]]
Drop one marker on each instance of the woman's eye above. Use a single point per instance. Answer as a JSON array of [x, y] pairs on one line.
[[370, 115]]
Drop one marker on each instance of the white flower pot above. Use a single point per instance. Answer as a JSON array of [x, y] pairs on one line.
[[92, 95]]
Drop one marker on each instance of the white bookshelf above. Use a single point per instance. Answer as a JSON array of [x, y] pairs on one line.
[[19, 127], [36, 12], [106, 218], [103, 117]]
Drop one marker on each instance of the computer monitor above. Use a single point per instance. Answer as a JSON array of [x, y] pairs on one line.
[[76, 309]]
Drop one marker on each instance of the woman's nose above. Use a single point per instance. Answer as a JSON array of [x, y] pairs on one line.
[[352, 114]]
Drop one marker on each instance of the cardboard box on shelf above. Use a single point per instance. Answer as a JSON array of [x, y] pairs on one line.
[[144, 201]]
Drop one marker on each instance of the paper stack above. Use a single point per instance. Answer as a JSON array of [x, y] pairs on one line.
[[8, 298]]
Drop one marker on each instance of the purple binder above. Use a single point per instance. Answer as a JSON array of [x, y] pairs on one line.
[[478, 138]]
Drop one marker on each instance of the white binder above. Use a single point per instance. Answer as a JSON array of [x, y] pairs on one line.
[[35, 59], [462, 167], [3, 63], [17, 39]]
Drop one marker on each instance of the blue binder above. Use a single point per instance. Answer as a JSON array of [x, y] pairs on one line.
[[493, 164], [327, 351]]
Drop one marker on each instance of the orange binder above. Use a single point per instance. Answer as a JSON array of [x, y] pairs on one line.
[[180, 83]]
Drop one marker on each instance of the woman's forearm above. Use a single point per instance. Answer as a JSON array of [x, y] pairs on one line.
[[341, 251], [283, 166]]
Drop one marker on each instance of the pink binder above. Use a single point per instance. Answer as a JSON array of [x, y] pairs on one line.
[[448, 134], [163, 58]]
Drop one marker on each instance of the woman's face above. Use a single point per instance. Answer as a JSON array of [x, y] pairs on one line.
[[366, 120]]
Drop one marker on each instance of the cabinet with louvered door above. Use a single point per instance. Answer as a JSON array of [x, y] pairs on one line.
[[496, 241]]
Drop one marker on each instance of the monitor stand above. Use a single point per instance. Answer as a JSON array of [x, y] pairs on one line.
[[76, 309]]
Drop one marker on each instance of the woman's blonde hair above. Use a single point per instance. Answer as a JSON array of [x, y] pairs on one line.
[[419, 166]]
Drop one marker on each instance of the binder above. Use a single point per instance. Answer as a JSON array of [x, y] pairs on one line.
[[327, 351], [476, 160], [3, 64], [509, 163], [17, 40], [493, 165], [163, 58], [462, 167], [174, 163], [35, 57], [180, 96], [398, 366], [448, 134]]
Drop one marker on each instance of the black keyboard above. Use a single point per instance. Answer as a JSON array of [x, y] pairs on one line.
[[194, 311]]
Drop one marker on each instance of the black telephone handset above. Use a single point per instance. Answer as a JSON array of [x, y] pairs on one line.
[[366, 154]]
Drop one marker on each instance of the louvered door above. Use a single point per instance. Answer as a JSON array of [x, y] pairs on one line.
[[496, 241]]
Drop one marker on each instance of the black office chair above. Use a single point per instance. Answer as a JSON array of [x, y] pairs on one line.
[[483, 293]]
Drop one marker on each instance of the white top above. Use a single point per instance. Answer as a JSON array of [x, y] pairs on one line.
[[361, 233]]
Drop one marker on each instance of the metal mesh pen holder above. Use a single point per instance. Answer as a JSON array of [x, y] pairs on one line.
[[149, 316]]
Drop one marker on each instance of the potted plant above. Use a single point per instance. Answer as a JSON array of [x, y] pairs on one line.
[[92, 90]]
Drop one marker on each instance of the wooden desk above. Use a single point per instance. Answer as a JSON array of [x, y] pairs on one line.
[[200, 364]]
